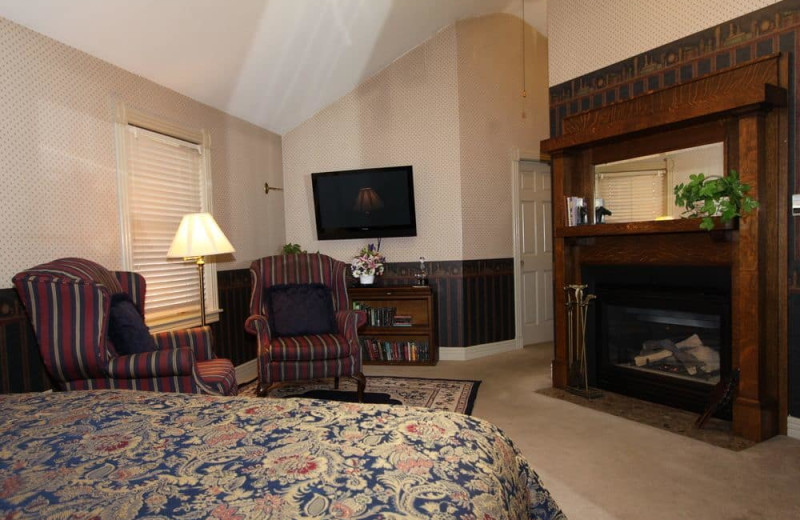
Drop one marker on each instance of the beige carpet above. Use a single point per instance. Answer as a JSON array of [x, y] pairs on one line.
[[602, 467]]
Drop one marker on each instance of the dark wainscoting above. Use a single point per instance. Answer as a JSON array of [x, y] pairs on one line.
[[770, 30], [230, 339], [474, 298], [474, 302], [21, 367]]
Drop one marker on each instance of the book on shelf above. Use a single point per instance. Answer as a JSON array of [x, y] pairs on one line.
[[376, 316], [576, 211], [378, 350], [401, 320]]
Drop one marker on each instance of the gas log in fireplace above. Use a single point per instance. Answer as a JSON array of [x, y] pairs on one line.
[[659, 333]]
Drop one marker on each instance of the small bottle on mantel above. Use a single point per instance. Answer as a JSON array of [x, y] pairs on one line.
[[422, 275]]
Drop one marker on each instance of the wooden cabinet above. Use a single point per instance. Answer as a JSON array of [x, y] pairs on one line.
[[401, 326]]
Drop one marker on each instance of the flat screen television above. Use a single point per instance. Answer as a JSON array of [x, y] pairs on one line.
[[368, 203]]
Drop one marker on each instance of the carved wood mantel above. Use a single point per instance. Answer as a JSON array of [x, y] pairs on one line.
[[743, 107]]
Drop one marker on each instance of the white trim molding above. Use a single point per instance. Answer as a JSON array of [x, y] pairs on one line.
[[793, 427], [247, 371], [477, 351]]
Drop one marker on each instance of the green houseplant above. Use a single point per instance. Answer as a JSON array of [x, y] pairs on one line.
[[706, 197], [292, 249]]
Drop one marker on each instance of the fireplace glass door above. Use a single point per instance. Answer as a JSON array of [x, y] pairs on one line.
[[677, 343]]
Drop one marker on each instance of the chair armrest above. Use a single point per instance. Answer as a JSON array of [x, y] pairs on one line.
[[257, 324], [159, 363], [348, 323], [197, 338]]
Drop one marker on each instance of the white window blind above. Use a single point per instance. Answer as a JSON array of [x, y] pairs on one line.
[[633, 196], [165, 180]]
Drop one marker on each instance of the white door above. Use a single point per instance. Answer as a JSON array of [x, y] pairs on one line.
[[536, 252]]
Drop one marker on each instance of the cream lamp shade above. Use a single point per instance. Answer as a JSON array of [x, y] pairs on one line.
[[199, 235]]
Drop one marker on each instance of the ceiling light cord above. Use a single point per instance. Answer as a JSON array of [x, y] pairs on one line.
[[524, 89]]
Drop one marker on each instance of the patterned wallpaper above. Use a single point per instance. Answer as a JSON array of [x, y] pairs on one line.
[[495, 121], [406, 114], [586, 35], [452, 108], [57, 157]]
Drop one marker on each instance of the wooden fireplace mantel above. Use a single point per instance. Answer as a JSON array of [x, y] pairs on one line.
[[743, 107]]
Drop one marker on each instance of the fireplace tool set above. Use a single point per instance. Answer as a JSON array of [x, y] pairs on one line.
[[578, 374]]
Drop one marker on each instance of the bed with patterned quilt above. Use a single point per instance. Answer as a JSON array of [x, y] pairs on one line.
[[126, 454]]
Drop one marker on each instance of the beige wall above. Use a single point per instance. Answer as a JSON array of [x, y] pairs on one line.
[[452, 108], [406, 114], [587, 35], [495, 121], [57, 157]]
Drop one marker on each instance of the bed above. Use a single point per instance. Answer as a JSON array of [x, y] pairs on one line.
[[127, 454]]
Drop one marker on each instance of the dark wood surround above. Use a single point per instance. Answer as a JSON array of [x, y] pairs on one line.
[[744, 108]]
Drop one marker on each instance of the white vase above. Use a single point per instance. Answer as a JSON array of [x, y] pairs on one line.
[[366, 279]]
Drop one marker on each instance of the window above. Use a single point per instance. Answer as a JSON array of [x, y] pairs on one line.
[[633, 196], [161, 178]]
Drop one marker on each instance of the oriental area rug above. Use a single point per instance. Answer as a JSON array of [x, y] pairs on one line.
[[452, 395]]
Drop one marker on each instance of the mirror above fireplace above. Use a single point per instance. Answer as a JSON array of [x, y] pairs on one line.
[[642, 188]]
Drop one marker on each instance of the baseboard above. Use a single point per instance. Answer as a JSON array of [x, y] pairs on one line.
[[793, 427], [247, 371], [476, 351]]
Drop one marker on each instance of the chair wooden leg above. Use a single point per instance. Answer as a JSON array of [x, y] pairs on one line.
[[264, 389], [361, 381], [335, 383]]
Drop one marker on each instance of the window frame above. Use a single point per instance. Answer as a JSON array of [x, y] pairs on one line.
[[126, 117]]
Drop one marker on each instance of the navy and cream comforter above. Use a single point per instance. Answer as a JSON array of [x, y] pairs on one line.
[[126, 454]]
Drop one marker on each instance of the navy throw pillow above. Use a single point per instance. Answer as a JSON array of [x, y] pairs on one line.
[[300, 309], [126, 327]]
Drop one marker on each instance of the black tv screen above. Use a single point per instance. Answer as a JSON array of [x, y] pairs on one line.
[[369, 203]]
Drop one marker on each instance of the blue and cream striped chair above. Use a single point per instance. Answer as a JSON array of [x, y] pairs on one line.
[[68, 302], [298, 357]]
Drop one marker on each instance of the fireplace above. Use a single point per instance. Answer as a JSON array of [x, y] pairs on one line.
[[659, 333], [743, 107]]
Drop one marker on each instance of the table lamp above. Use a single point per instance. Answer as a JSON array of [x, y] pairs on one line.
[[199, 236]]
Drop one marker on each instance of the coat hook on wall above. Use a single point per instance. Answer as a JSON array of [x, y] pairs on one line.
[[268, 188]]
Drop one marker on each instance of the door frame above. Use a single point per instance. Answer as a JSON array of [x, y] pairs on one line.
[[517, 156]]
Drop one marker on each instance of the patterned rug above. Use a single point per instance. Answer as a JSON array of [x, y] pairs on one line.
[[454, 395]]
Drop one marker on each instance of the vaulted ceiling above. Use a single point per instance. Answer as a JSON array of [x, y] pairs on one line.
[[274, 63]]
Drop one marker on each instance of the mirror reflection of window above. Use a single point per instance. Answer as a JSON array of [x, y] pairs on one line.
[[642, 188]]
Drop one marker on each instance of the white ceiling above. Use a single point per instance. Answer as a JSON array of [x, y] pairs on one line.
[[274, 63]]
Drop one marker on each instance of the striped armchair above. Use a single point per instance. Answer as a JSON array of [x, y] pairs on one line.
[[68, 302], [296, 358]]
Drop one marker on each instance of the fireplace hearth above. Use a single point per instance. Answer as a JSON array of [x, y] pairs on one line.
[[660, 333]]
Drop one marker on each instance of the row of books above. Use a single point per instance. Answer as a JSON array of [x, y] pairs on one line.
[[383, 316], [378, 350]]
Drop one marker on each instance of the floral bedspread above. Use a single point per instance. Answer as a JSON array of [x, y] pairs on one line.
[[125, 454]]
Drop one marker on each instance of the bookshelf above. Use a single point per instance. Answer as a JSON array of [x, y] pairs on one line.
[[400, 328]]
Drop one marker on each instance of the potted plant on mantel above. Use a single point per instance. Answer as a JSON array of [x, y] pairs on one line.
[[705, 197]]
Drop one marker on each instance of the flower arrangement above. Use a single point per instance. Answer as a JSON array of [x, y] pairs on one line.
[[369, 262]]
